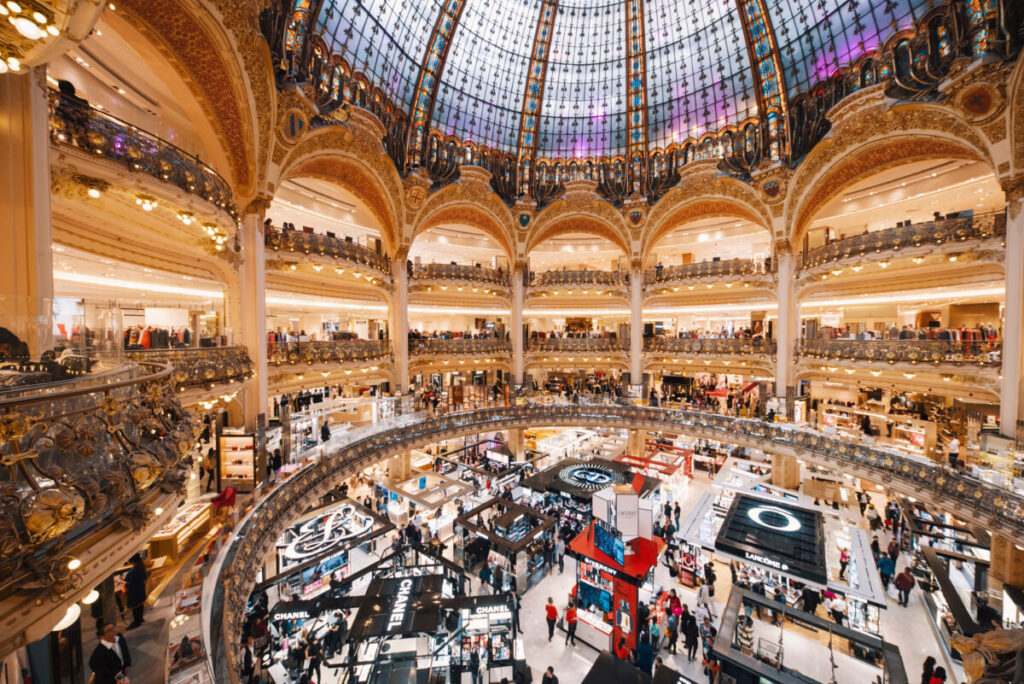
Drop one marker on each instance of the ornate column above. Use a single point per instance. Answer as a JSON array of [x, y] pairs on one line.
[[785, 472], [1010, 396], [787, 327], [26, 264], [636, 443], [516, 325], [398, 314], [516, 443], [253, 310], [636, 325]]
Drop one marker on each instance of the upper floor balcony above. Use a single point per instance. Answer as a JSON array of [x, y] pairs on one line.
[[328, 351], [459, 346], [325, 249], [579, 281], [76, 125], [195, 367], [935, 352], [916, 239], [460, 276], [728, 346], [752, 271], [578, 345]]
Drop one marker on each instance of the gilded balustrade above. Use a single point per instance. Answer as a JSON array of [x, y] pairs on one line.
[[494, 277], [980, 352], [581, 278], [199, 366], [951, 230], [76, 124], [592, 345], [968, 497], [328, 351], [709, 346], [707, 269], [301, 242], [81, 459], [434, 346]]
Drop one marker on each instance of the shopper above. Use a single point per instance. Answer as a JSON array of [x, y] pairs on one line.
[[876, 549], [655, 631], [621, 652], [552, 616], [207, 468], [711, 668], [549, 676], [570, 624], [677, 513], [111, 658], [708, 634], [560, 554], [248, 660], [927, 669], [894, 549], [644, 654], [953, 451], [904, 585], [315, 656], [485, 578], [704, 598], [474, 665], [939, 676], [515, 608], [135, 590], [837, 607], [691, 632], [671, 630], [886, 568]]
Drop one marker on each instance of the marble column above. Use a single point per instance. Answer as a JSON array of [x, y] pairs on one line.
[[516, 326], [26, 262], [786, 329], [785, 472], [636, 326], [399, 320], [253, 309], [1013, 320]]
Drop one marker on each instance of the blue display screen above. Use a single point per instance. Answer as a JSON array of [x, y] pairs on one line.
[[590, 595], [610, 544]]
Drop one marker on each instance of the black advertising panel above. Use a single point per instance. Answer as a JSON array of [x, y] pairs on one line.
[[777, 536], [399, 606]]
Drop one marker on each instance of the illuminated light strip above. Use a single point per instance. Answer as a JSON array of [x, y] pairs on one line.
[[636, 92], [306, 210], [116, 284], [909, 198], [768, 74], [536, 76], [429, 79]]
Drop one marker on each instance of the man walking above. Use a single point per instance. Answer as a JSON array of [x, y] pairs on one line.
[[904, 584], [560, 554]]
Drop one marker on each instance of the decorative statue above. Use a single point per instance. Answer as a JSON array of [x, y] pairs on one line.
[[995, 657]]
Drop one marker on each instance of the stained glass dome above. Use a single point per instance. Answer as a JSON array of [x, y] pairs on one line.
[[592, 78]]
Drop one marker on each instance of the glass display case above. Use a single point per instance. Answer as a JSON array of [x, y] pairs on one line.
[[237, 460]]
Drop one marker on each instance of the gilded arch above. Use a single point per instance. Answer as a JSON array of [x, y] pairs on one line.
[[457, 204], [866, 142], [580, 213]]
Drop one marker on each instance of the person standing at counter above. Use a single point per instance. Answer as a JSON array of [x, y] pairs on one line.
[[570, 624], [551, 616]]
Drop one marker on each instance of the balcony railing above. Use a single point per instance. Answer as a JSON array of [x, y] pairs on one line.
[[83, 460], [594, 345], [301, 242], [976, 227], [328, 351], [74, 123], [462, 345], [980, 352], [198, 366], [720, 347], [578, 279], [473, 274], [708, 269], [967, 497]]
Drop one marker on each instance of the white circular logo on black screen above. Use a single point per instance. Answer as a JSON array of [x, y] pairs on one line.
[[774, 518], [590, 477]]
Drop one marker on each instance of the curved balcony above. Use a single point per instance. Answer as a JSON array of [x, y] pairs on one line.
[[591, 345], [95, 465], [328, 351], [978, 227], [463, 346], [461, 274], [73, 123], [234, 578], [935, 352], [200, 366], [582, 280], [731, 269], [711, 346], [318, 244]]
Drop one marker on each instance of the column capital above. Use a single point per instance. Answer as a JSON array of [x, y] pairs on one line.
[[1014, 189], [783, 246], [257, 206]]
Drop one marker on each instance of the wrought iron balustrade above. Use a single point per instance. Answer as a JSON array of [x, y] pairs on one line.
[[328, 351], [301, 242], [708, 269], [460, 345], [709, 346], [84, 458], [578, 278], [76, 124], [473, 274], [198, 366], [594, 345], [976, 227], [981, 352]]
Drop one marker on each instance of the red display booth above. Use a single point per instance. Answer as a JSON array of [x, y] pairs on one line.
[[609, 577]]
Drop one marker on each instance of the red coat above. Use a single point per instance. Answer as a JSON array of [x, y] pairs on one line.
[[904, 582]]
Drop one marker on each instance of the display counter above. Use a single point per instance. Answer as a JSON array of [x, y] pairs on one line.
[[173, 538], [593, 630]]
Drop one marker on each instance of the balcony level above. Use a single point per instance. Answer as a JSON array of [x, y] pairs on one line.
[[450, 278], [578, 282], [750, 273], [287, 250], [291, 364], [196, 370], [732, 355]]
